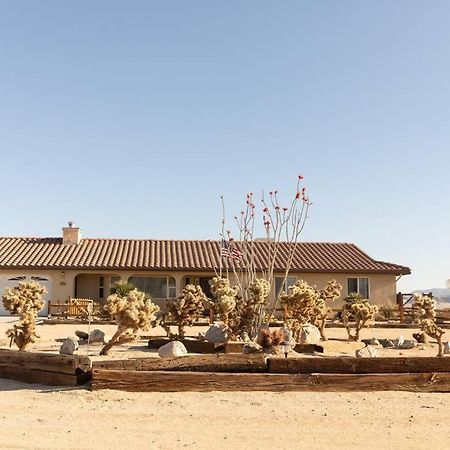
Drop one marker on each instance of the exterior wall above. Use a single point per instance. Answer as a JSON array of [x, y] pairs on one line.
[[382, 288]]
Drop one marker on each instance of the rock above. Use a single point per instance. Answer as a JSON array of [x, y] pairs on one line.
[[252, 347], [309, 334], [447, 348], [97, 336], [68, 347], [201, 336], [386, 343], [81, 334], [399, 342], [216, 333], [173, 349], [366, 352], [420, 337], [372, 341], [407, 344]]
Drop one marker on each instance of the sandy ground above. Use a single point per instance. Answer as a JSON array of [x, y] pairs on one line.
[[41, 417], [38, 417], [51, 336]]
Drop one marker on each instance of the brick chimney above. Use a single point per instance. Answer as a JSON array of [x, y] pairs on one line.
[[71, 234]]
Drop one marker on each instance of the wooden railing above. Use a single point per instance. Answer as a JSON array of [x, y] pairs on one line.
[[74, 307]]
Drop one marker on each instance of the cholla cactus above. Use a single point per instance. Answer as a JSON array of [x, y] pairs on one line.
[[186, 308], [224, 300], [244, 318], [356, 312], [424, 314], [25, 300], [131, 310], [331, 292], [300, 305]]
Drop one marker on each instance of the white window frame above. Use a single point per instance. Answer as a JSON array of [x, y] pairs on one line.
[[357, 285]]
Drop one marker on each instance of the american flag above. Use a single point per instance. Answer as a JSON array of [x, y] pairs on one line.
[[230, 251]]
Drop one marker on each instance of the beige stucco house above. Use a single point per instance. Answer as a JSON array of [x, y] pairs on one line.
[[70, 266]]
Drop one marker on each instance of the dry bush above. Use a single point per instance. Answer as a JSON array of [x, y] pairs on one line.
[[186, 308], [26, 301], [132, 310], [356, 312], [425, 315], [388, 312]]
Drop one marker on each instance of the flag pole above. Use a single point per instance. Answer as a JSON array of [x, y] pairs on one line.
[[222, 236]]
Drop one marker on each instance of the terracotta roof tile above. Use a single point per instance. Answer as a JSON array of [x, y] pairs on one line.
[[114, 254]]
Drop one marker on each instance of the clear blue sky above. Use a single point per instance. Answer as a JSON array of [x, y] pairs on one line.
[[131, 118]]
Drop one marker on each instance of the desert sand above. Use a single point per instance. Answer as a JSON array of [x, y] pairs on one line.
[[43, 417]]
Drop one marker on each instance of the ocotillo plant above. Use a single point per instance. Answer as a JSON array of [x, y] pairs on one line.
[[26, 301]]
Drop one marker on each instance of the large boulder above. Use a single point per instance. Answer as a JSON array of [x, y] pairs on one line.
[[96, 336], [366, 352], [407, 344], [173, 349], [387, 343], [309, 334], [68, 347], [216, 333]]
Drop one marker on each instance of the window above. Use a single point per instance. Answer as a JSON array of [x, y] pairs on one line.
[[358, 286], [156, 287], [114, 280], [101, 287], [280, 288]]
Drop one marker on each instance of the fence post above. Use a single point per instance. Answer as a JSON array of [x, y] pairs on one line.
[[401, 309]]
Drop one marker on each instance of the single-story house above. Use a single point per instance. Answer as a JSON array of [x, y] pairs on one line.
[[72, 266]]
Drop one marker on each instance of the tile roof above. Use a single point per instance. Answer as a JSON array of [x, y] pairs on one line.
[[137, 254]]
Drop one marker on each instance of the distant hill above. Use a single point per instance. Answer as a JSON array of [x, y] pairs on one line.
[[442, 296]]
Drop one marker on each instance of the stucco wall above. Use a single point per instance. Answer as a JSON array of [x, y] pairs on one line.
[[382, 287]]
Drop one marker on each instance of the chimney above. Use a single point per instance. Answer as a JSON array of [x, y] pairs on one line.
[[71, 234]]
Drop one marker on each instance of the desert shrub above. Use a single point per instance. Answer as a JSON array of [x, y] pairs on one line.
[[425, 315], [356, 312], [26, 301], [132, 310], [186, 308], [330, 293], [122, 288], [300, 304], [388, 312], [244, 317], [224, 298]]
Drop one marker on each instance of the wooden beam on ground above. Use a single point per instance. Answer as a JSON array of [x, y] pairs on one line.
[[143, 381], [46, 361], [349, 365], [26, 375], [219, 362]]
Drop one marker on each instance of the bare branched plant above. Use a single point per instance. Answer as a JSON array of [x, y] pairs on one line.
[[356, 312], [425, 315], [132, 310], [282, 224], [186, 308], [26, 301]]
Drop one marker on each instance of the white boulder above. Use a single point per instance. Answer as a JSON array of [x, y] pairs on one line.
[[366, 352], [447, 348], [309, 334], [173, 349]]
